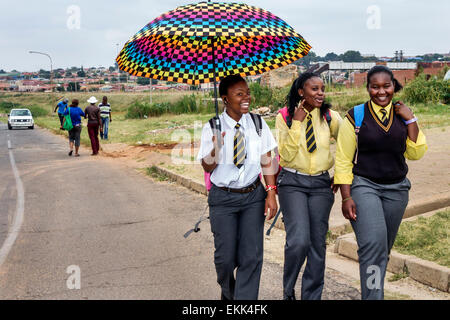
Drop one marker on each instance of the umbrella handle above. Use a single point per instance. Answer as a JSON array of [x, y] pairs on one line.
[[218, 131]]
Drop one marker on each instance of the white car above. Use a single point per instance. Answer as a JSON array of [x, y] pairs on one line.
[[20, 118]]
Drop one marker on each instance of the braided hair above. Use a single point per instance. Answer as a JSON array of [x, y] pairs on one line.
[[293, 98], [384, 69]]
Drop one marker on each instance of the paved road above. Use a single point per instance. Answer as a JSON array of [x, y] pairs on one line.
[[123, 231]]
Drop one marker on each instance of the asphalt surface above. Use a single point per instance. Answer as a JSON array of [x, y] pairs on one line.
[[121, 229]]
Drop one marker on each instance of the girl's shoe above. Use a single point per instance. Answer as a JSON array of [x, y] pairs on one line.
[[70, 152]]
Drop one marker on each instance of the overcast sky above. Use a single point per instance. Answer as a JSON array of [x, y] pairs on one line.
[[369, 26]]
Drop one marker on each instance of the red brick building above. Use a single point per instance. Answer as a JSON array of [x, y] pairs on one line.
[[404, 76]]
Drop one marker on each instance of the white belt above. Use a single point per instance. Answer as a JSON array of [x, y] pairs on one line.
[[304, 174]]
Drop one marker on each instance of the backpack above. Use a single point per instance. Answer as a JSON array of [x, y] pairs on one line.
[[215, 125]]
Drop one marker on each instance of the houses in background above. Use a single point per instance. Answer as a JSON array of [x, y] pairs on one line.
[[102, 79]]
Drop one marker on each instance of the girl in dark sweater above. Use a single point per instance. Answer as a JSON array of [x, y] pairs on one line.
[[371, 171]]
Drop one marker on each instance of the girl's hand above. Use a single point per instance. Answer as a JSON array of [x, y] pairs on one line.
[[334, 187], [403, 111], [216, 146], [300, 113], [271, 206], [349, 209]]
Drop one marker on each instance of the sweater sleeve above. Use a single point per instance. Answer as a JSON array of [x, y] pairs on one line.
[[345, 151], [416, 150]]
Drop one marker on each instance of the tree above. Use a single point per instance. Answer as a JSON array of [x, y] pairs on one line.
[[307, 60], [123, 78], [143, 81], [111, 69], [44, 74], [81, 73], [331, 57], [352, 56], [2, 71], [73, 86]]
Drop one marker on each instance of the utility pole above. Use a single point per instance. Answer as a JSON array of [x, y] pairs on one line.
[[51, 67]]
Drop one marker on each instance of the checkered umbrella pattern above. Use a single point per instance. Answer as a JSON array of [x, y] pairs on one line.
[[178, 45]]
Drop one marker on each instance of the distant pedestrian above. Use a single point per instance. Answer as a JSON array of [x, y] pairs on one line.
[[105, 113], [74, 134], [61, 106], [92, 113], [371, 171]]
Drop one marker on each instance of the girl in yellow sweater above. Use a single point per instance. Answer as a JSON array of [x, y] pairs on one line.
[[305, 188]]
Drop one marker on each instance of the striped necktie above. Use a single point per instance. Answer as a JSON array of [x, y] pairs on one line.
[[239, 147], [384, 116], [310, 140]]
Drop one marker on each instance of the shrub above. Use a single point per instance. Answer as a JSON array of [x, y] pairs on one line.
[[38, 111], [6, 106], [421, 90], [187, 104], [138, 110]]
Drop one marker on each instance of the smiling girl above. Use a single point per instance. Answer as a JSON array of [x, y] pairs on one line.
[[238, 202], [371, 171], [304, 184]]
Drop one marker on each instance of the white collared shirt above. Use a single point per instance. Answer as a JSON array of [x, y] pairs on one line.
[[226, 174]]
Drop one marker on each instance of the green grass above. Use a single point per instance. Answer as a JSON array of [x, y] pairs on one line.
[[426, 238], [154, 173]]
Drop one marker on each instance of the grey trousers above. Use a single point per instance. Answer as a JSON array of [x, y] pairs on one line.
[[306, 203], [379, 212], [237, 222]]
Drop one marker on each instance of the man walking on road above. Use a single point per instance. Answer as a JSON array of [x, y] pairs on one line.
[[62, 106], [105, 113], [92, 113]]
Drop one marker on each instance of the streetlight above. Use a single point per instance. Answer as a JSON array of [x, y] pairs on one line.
[[51, 67]]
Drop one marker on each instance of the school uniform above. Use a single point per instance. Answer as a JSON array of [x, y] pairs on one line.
[[236, 205], [306, 198], [376, 169]]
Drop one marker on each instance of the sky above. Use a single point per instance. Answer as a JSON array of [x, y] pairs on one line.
[[89, 33]]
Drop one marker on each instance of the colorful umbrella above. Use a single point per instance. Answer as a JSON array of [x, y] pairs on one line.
[[207, 41]]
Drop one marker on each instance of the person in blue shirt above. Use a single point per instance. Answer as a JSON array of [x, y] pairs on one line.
[[74, 135], [61, 106]]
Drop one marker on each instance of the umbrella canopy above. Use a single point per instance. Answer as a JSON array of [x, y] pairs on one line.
[[207, 41]]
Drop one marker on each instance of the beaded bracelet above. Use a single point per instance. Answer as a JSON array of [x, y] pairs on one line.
[[346, 199], [269, 187]]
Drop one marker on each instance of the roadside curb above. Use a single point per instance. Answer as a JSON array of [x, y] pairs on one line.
[[423, 271], [186, 182]]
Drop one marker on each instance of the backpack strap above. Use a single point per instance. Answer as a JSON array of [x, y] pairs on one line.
[[285, 114], [256, 118], [327, 116], [359, 116], [258, 122]]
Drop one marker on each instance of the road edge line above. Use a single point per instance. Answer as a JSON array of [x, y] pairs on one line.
[[19, 215]]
